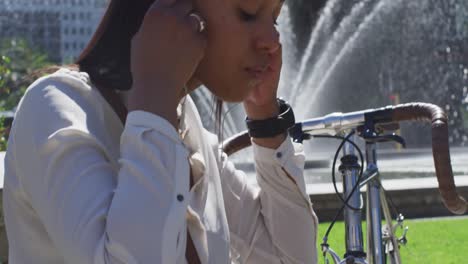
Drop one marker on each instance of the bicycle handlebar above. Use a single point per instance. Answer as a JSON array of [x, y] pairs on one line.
[[336, 122], [440, 149]]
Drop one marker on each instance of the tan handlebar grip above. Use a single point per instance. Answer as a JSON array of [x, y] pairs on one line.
[[440, 149]]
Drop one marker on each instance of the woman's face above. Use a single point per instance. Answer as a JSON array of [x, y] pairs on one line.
[[242, 37]]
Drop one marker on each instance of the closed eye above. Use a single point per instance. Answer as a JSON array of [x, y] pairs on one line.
[[247, 16], [252, 17]]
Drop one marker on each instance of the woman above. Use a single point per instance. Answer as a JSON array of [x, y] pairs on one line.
[[110, 163]]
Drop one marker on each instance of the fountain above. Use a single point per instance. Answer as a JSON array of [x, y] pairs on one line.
[[378, 50]]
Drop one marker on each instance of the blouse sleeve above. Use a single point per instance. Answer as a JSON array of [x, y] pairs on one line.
[[95, 211], [275, 223]]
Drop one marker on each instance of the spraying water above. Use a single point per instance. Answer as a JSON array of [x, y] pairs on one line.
[[333, 56], [319, 35]]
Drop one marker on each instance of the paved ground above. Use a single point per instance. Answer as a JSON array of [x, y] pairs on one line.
[[408, 163], [405, 169]]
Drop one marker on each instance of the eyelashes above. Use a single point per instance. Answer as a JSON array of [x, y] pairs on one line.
[[247, 17]]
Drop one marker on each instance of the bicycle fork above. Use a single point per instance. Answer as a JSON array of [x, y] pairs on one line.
[[373, 215]]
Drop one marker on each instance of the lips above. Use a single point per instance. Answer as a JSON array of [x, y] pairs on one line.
[[258, 72]]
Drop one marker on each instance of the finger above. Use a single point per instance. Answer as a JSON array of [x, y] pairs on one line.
[[277, 56], [182, 7], [279, 50], [162, 3]]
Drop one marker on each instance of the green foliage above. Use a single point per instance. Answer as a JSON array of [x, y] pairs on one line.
[[3, 140], [18, 60], [4, 71]]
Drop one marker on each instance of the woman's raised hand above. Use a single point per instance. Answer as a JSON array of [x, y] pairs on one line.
[[165, 53], [261, 102]]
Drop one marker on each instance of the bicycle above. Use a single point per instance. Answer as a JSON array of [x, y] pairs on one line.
[[370, 125]]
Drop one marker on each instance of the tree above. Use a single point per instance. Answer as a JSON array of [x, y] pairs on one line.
[[18, 65], [4, 91]]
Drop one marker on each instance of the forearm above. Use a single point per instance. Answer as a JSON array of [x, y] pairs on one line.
[[162, 102], [285, 204], [283, 220]]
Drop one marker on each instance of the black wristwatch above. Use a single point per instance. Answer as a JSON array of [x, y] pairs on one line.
[[272, 126]]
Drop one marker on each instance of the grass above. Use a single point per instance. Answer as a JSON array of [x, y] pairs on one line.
[[438, 240]]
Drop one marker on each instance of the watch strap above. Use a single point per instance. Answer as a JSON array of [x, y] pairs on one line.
[[272, 126]]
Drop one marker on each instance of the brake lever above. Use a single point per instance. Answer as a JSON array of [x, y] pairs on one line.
[[386, 138], [371, 136]]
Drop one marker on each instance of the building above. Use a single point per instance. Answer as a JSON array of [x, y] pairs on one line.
[[61, 28]]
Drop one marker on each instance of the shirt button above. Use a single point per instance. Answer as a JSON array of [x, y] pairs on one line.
[[180, 197], [279, 155]]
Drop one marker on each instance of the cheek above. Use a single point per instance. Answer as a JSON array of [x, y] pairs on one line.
[[220, 64], [222, 67], [230, 86]]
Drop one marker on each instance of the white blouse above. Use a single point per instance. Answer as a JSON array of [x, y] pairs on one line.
[[81, 187]]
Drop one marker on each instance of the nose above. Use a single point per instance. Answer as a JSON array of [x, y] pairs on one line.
[[268, 41]]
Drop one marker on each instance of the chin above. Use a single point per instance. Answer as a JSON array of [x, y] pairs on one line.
[[231, 94]]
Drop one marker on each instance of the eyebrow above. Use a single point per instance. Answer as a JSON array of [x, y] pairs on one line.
[[280, 2]]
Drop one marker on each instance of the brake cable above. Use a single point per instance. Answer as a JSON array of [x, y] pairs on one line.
[[356, 185]]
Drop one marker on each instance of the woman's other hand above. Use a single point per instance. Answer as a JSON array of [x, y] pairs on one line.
[[261, 103], [165, 53]]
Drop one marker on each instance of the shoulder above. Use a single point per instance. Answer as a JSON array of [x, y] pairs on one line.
[[60, 84], [56, 101], [63, 94]]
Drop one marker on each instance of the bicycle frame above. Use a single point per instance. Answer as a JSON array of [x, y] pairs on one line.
[[376, 203], [374, 219]]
